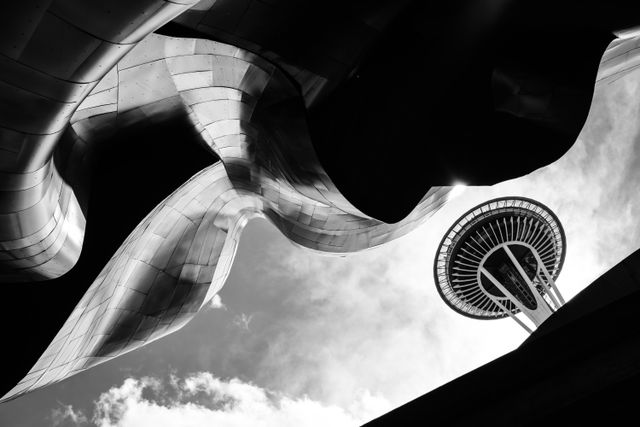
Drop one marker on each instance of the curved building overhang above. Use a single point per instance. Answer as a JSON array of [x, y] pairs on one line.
[[246, 113], [464, 91]]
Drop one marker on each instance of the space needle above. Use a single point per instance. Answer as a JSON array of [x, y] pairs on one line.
[[502, 258]]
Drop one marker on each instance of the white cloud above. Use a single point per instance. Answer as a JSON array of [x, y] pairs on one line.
[[216, 303], [203, 400]]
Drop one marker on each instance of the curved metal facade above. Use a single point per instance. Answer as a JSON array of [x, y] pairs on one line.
[[178, 257], [52, 55]]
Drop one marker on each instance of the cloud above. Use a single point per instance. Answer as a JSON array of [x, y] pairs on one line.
[[201, 399], [65, 415], [242, 321], [216, 303]]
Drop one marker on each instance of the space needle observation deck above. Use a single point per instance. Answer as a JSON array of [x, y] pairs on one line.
[[502, 258]]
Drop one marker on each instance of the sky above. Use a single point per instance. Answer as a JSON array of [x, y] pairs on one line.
[[297, 338]]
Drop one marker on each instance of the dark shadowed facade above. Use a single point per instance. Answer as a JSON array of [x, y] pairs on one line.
[[138, 137]]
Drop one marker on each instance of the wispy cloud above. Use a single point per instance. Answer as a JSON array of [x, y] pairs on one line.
[[67, 416], [242, 321]]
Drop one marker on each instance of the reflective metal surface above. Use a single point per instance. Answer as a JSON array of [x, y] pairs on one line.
[[178, 257], [52, 54]]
